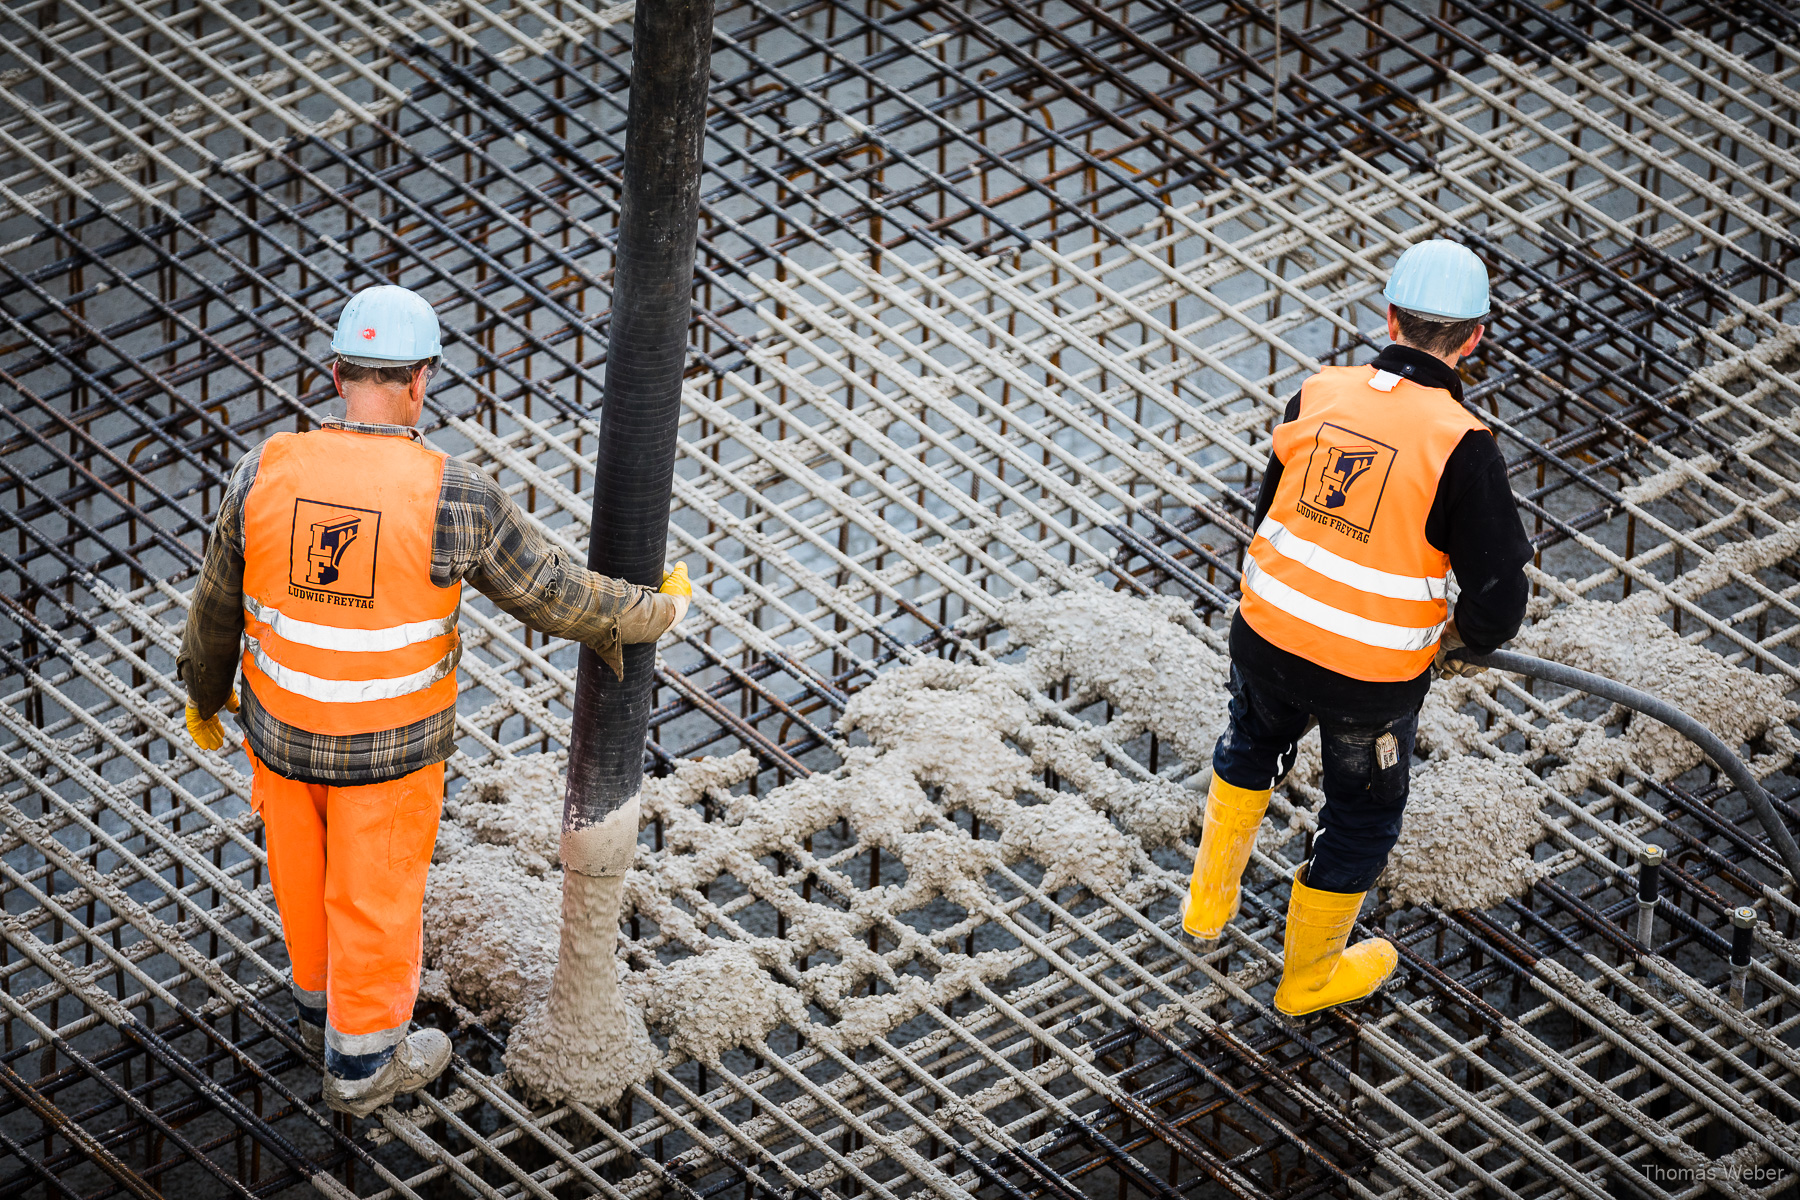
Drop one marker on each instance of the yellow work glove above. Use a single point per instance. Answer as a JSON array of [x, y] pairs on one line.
[[675, 583], [208, 733], [1446, 667]]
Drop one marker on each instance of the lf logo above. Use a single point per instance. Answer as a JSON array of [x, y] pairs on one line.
[[1344, 465], [1346, 475], [329, 541], [332, 553]]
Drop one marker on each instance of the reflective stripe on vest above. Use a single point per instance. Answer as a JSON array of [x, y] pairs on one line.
[[1352, 574], [353, 691], [1340, 571], [1336, 620], [346, 632], [333, 637]]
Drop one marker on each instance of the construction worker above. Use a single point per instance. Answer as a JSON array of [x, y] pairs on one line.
[[336, 560], [1380, 483]]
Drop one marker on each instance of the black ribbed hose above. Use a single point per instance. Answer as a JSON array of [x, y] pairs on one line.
[[645, 361], [1761, 803]]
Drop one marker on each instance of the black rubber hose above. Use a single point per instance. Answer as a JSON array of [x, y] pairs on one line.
[[647, 353], [1761, 803]]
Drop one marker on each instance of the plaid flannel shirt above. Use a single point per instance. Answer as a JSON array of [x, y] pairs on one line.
[[481, 538]]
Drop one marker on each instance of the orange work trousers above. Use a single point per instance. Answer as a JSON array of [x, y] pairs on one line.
[[348, 868]]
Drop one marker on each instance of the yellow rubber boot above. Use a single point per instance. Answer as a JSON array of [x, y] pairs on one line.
[[1319, 972], [1233, 815]]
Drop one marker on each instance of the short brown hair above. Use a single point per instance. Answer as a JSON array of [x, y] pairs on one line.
[[1432, 335], [398, 375]]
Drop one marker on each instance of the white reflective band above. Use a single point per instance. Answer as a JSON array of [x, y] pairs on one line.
[[1314, 557], [1336, 620], [354, 691], [364, 1043], [332, 637]]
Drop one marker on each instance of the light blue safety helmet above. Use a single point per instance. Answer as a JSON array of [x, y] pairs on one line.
[[1439, 279], [385, 325]]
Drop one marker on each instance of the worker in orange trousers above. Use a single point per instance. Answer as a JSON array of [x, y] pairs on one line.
[[332, 583]]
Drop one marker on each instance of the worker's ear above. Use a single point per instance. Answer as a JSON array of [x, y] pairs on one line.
[[336, 383], [1474, 341], [1393, 325]]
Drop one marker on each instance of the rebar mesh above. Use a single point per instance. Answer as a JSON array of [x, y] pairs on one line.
[[994, 300]]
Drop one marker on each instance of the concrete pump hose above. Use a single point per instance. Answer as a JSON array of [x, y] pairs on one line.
[[1761, 802]]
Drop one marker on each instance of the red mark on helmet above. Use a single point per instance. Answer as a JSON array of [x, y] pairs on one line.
[[368, 335]]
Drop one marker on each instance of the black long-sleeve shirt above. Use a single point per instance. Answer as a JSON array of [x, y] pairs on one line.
[[1473, 519]]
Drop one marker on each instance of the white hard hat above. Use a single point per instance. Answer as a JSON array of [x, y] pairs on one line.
[[385, 325], [1441, 279]]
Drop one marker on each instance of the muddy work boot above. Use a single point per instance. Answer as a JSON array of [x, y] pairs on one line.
[[1318, 972], [414, 1063], [311, 1026], [1233, 815]]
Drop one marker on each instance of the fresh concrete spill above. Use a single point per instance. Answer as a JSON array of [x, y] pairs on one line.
[[947, 736], [1475, 816]]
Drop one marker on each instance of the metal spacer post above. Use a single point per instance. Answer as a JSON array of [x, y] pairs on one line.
[[1650, 861], [1743, 927]]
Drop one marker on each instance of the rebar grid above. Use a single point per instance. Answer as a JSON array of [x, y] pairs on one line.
[[993, 300]]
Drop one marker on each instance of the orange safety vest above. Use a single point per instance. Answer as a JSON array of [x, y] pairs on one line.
[[1340, 572], [347, 632]]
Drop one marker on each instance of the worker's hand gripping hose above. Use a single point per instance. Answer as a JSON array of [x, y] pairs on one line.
[[209, 733], [1448, 662], [675, 583], [1761, 803]]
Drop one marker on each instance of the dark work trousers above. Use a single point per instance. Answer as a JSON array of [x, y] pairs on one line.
[[1363, 798]]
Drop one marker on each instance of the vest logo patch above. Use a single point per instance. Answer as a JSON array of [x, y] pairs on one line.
[[1346, 475], [332, 555]]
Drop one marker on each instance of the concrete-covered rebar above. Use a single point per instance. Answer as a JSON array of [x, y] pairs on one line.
[[995, 303]]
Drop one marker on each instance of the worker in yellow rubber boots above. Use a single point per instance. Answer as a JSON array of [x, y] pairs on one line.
[[1380, 484], [337, 561]]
